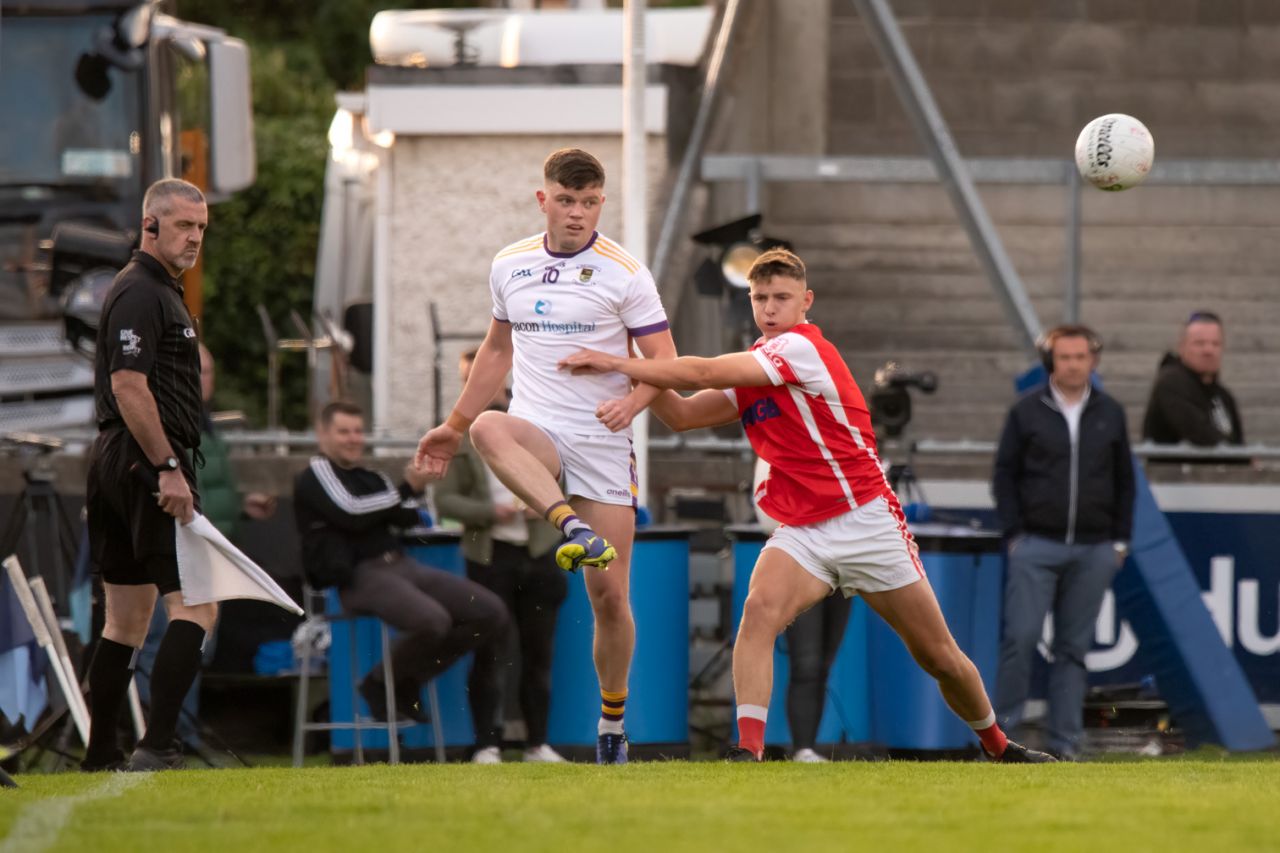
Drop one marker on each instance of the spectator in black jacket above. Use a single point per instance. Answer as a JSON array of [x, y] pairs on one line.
[[1064, 490], [1187, 402], [345, 515]]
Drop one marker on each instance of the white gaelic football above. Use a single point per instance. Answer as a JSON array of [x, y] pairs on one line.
[[1115, 152]]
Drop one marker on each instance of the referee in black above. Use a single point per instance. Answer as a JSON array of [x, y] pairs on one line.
[[148, 408]]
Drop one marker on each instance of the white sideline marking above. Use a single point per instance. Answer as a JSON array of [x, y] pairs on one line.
[[39, 824]]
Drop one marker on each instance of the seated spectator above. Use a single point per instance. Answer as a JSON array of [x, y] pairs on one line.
[[345, 515], [1187, 401], [508, 549]]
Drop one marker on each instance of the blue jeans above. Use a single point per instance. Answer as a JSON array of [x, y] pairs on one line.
[[1070, 581]]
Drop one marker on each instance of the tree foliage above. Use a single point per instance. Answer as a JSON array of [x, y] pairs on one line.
[[262, 243]]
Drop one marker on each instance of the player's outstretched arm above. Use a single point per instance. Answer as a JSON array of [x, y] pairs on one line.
[[736, 370], [704, 409]]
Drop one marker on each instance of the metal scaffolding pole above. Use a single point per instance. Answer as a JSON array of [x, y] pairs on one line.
[[673, 219], [635, 219], [932, 128]]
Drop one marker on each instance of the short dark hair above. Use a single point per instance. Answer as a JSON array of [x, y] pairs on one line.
[[1204, 317], [159, 198], [574, 169], [782, 262], [339, 407], [470, 355], [1070, 330]]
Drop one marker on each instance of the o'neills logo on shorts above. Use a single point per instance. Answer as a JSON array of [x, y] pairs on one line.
[[618, 493], [550, 327]]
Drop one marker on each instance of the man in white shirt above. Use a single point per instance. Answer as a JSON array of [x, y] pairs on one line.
[[1064, 490], [554, 293]]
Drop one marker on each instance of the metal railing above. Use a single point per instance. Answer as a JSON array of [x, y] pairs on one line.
[[72, 441]]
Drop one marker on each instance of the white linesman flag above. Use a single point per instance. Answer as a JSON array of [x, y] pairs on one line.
[[212, 569]]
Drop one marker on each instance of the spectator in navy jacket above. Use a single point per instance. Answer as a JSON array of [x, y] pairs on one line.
[[1064, 490]]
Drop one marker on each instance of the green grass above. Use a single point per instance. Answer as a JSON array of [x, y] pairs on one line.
[[1196, 803]]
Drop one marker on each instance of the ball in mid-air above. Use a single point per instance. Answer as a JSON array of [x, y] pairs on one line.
[[1115, 152]]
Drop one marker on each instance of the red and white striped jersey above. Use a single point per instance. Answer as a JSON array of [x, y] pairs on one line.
[[813, 428]]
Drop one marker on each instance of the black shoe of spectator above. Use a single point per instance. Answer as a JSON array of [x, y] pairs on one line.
[[146, 760], [408, 708], [109, 765], [374, 695]]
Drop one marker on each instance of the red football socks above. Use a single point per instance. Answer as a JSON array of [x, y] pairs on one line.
[[751, 721], [993, 739]]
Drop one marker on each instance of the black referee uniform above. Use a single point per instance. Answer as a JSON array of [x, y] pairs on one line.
[[145, 327]]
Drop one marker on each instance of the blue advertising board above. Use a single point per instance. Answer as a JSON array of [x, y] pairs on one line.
[[1236, 562], [1230, 535]]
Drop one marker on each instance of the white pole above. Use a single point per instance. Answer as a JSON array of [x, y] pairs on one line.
[[635, 217], [382, 292], [41, 594], [135, 709]]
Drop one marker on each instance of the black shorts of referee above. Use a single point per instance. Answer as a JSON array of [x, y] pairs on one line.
[[131, 539]]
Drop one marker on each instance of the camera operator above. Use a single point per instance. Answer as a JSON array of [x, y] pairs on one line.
[[1064, 490], [148, 408]]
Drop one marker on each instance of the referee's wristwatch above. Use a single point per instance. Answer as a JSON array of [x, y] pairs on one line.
[[169, 464]]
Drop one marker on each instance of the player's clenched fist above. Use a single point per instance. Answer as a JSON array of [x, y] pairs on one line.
[[616, 414]]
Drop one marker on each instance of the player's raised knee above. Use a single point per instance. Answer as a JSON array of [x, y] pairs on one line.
[[488, 430]]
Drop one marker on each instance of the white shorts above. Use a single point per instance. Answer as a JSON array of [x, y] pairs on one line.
[[601, 468], [865, 550]]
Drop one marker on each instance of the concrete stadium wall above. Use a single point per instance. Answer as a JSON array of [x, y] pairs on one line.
[[893, 270], [1021, 77]]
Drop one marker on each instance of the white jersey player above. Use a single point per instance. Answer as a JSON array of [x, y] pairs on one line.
[[553, 294]]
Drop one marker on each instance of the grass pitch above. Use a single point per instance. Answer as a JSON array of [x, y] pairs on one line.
[[1197, 803]]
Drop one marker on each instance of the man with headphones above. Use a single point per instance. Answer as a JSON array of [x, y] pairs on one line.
[[148, 407], [1064, 491]]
